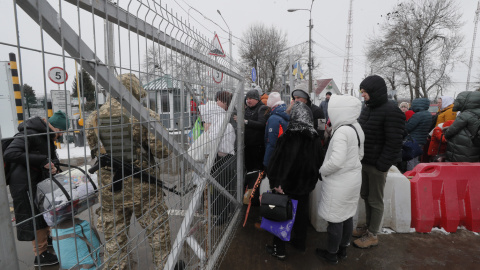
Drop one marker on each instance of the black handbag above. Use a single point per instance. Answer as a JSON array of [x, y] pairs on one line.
[[276, 207]]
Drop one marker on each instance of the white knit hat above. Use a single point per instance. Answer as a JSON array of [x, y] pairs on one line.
[[274, 99]]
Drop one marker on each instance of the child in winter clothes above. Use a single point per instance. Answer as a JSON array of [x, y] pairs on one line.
[[342, 175]]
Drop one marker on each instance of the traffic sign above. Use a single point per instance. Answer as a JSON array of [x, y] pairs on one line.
[[61, 101], [217, 49], [254, 74], [58, 75], [217, 76]]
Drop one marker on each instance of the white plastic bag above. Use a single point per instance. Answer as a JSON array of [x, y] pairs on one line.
[[200, 147]]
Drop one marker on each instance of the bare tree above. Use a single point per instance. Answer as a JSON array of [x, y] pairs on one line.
[[420, 42], [264, 48]]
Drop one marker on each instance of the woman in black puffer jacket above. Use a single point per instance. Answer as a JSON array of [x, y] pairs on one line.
[[40, 145], [460, 147]]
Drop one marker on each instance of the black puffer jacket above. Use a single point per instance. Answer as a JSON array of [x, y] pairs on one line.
[[383, 124], [459, 145], [418, 126], [16, 155], [255, 129]]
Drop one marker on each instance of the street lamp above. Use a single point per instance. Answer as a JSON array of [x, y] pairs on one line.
[[310, 64], [229, 42]]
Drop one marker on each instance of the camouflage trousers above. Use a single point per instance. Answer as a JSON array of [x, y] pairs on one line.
[[115, 222]]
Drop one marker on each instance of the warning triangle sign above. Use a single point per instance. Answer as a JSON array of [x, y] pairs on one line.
[[217, 49]]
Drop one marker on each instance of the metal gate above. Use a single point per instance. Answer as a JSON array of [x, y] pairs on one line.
[[158, 201]]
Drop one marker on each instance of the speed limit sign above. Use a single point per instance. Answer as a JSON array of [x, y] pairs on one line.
[[57, 75]]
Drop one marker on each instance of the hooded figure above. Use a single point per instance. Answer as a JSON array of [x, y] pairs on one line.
[[293, 169], [419, 124], [460, 147], [342, 170], [383, 124], [446, 112], [316, 111], [342, 174]]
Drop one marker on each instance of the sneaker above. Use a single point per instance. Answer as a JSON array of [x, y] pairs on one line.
[[367, 240], [273, 250], [46, 258], [329, 257], [342, 253], [360, 231]]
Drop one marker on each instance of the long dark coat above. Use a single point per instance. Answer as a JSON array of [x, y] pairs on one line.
[[297, 158], [16, 155]]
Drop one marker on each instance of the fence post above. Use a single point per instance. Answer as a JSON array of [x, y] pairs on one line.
[[8, 251], [240, 138]]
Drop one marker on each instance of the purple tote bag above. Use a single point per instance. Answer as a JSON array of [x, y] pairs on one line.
[[281, 229]]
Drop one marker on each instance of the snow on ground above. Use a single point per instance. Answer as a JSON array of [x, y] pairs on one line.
[[442, 230], [72, 151], [387, 231]]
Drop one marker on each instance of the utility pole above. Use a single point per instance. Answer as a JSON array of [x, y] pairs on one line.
[[347, 63], [477, 12], [310, 62]]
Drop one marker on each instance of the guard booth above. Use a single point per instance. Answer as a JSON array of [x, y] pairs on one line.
[[165, 97], [8, 107]]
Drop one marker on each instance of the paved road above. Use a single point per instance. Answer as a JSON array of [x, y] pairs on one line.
[[436, 250]]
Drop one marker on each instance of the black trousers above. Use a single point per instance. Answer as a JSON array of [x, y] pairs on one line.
[[254, 157], [339, 234], [299, 230], [224, 171]]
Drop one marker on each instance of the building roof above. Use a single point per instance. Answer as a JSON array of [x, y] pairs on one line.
[[324, 84]]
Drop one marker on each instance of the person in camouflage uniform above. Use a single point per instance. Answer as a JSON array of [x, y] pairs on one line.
[[122, 136]]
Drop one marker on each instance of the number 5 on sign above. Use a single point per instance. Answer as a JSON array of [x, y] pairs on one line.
[[57, 75]]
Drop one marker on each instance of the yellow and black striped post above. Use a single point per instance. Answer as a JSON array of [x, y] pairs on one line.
[[17, 93], [49, 108]]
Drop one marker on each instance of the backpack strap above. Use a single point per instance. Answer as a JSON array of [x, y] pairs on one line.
[[356, 132]]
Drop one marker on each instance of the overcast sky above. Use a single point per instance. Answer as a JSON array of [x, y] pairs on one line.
[[330, 27], [329, 32]]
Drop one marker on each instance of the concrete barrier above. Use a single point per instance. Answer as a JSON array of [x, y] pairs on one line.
[[397, 202]]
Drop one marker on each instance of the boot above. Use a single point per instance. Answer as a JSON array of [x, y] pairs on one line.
[[275, 252], [368, 240], [46, 258], [342, 253], [329, 257], [360, 231]]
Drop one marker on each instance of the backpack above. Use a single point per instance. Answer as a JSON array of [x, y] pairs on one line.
[[6, 166]]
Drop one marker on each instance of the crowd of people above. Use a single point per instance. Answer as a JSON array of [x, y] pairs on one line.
[[350, 147], [347, 145]]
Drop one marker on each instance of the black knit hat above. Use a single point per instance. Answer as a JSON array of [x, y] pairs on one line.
[[253, 94]]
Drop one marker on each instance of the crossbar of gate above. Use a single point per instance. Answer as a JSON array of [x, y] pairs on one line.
[[54, 24]]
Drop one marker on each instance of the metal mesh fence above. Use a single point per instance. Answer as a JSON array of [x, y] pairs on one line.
[[149, 172]]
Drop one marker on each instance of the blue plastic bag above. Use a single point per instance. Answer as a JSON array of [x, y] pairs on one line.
[[281, 229]]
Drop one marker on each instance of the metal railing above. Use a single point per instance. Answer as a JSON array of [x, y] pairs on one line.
[[146, 129]]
